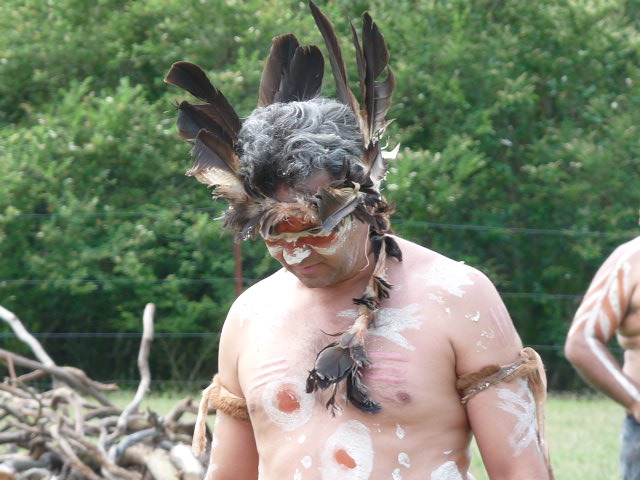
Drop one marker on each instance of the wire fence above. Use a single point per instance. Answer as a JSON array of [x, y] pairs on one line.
[[173, 354]]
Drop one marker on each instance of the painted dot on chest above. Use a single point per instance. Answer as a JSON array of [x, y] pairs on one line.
[[403, 397], [344, 459], [287, 401]]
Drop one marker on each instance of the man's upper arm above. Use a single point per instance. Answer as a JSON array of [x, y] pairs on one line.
[[233, 450], [503, 417]]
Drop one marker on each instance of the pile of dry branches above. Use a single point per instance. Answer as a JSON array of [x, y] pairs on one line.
[[73, 431]]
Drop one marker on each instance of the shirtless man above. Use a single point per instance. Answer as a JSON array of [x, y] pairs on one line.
[[366, 356], [612, 306]]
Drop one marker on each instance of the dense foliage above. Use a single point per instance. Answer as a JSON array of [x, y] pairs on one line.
[[518, 124]]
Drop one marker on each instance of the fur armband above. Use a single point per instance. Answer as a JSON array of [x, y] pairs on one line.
[[529, 366], [218, 397]]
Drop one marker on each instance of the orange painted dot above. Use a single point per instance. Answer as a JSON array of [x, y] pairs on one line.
[[287, 401], [343, 458]]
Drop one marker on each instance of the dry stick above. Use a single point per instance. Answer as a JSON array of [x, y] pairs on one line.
[[59, 373], [143, 366], [25, 336], [66, 451], [145, 379]]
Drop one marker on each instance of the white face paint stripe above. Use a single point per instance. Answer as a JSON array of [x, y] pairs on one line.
[[295, 255]]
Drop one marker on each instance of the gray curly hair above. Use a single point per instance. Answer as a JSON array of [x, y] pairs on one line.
[[284, 143]]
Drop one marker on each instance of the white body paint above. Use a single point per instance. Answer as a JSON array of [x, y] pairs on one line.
[[592, 315], [396, 475], [447, 471], [293, 420], [306, 462], [442, 275], [403, 459], [353, 438], [473, 317], [399, 432], [521, 404], [390, 322]]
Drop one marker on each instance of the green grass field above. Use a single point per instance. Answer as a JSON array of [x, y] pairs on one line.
[[582, 432]]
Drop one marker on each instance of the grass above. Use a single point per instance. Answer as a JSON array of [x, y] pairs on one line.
[[582, 431]]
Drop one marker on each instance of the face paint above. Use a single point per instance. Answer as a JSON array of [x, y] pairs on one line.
[[348, 453], [287, 403], [447, 471], [396, 475], [399, 432], [448, 277], [306, 462], [522, 405], [295, 256], [297, 475], [391, 321]]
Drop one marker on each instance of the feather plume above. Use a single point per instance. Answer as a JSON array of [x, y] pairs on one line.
[[343, 91], [193, 118], [215, 164], [280, 56], [304, 79], [335, 204], [291, 73], [377, 94], [191, 78]]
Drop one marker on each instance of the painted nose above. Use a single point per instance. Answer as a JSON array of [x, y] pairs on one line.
[[293, 254]]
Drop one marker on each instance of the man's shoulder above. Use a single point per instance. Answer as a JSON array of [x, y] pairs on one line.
[[423, 260]]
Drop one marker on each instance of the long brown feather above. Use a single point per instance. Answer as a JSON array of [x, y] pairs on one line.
[[377, 93], [304, 79], [193, 118], [343, 91], [190, 77], [282, 50], [215, 163]]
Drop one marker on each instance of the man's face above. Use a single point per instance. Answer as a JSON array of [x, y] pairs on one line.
[[317, 258]]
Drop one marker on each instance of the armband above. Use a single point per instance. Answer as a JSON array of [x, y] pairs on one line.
[[218, 397]]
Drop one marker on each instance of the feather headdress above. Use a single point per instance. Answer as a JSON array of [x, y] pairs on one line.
[[293, 73]]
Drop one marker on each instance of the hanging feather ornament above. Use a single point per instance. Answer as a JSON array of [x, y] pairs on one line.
[[345, 359]]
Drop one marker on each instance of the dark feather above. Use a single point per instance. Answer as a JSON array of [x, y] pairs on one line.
[[376, 165], [193, 118], [334, 205], [357, 394], [377, 93], [343, 92], [209, 152], [280, 55], [393, 249], [191, 78], [303, 79]]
